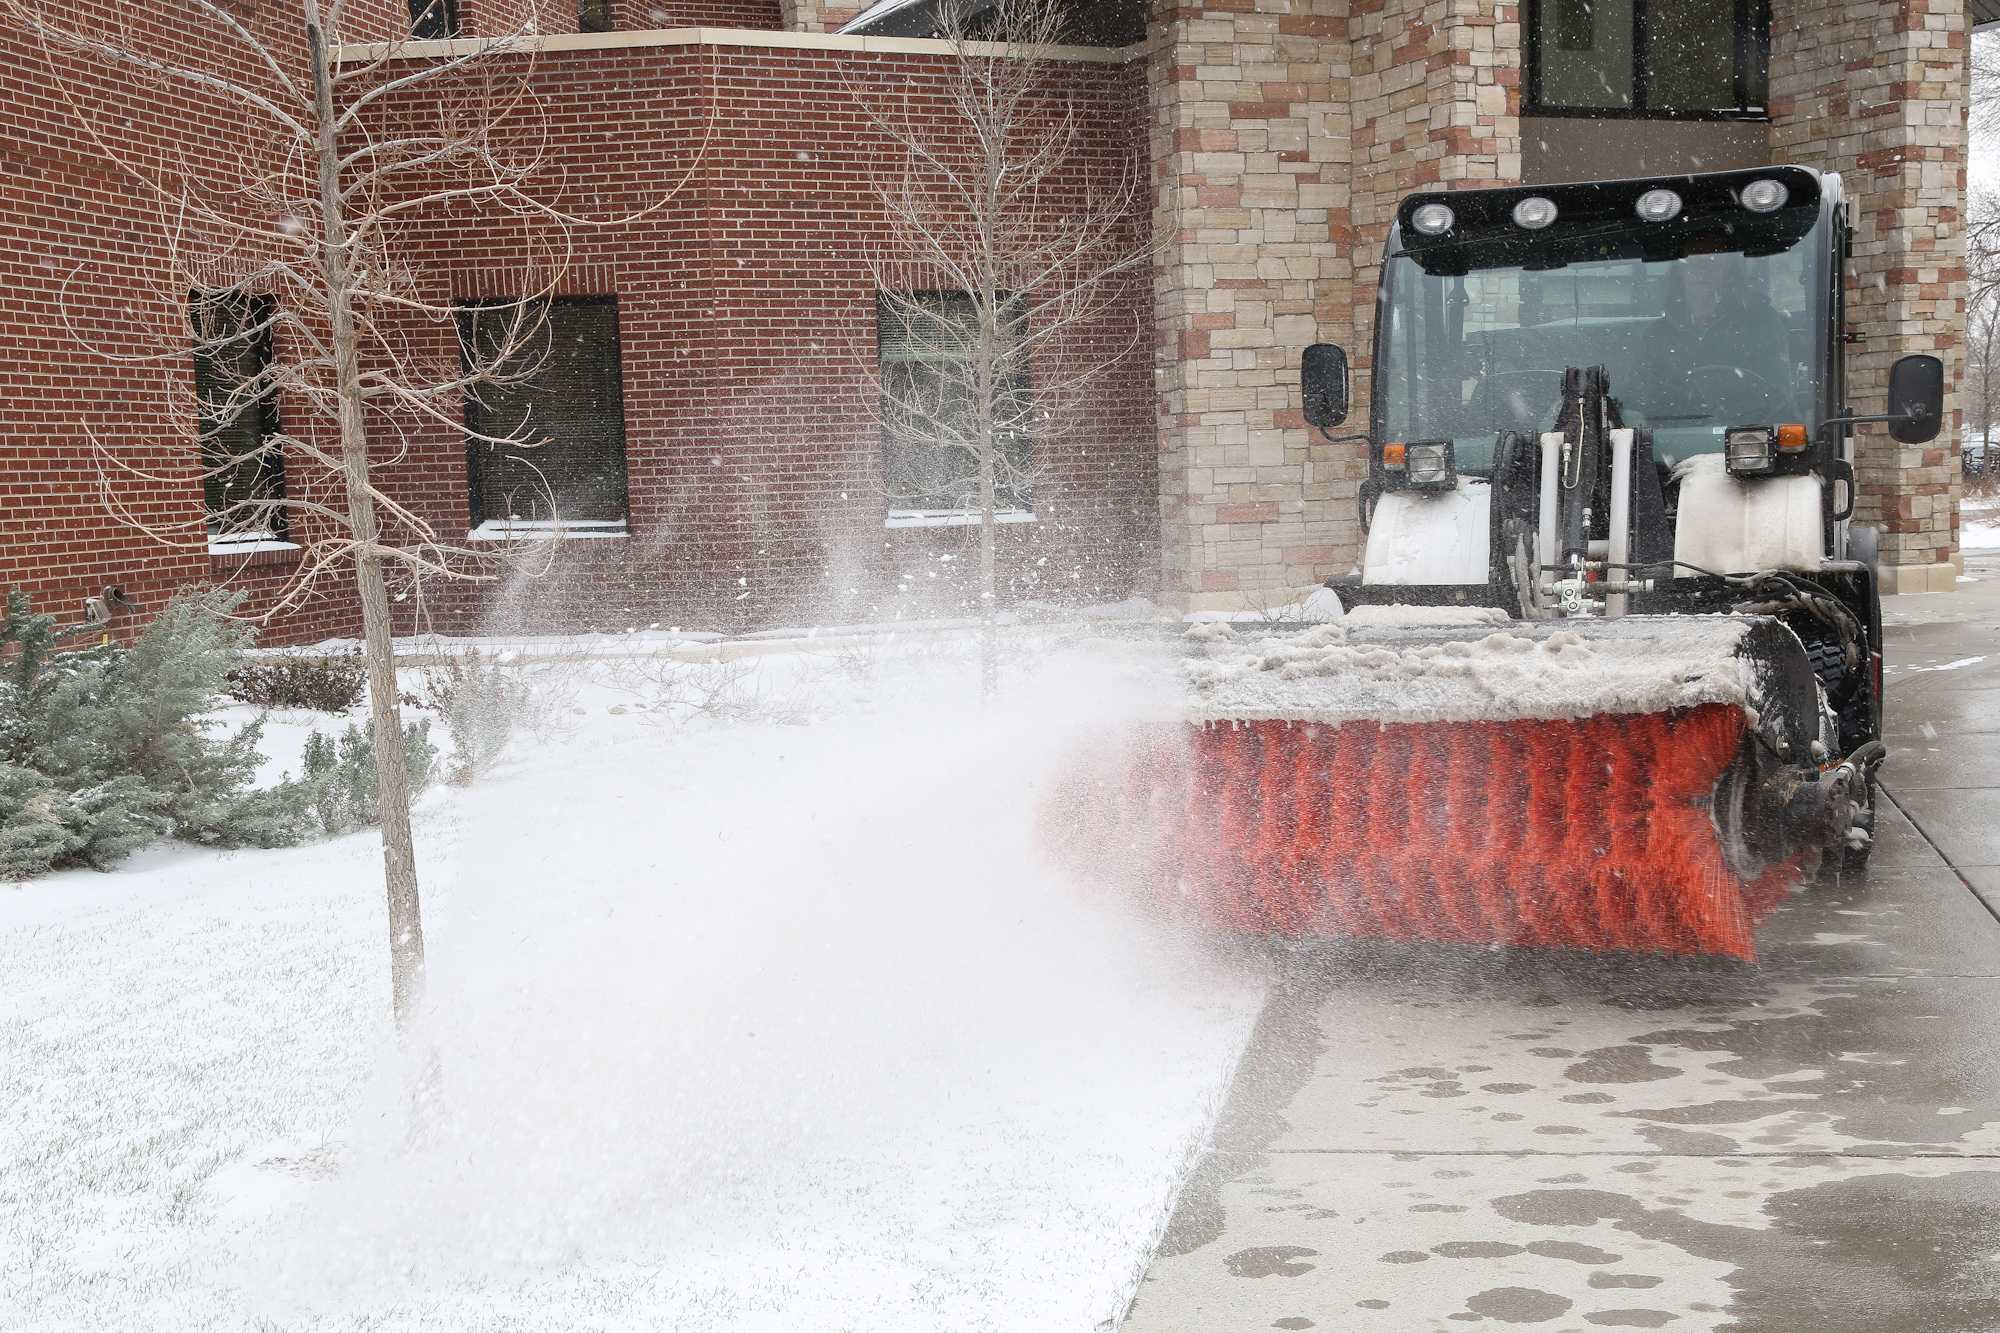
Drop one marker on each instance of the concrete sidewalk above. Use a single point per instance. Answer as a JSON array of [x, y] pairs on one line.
[[1430, 1140]]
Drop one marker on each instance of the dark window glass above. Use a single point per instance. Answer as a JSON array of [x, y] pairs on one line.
[[1649, 57], [433, 20], [1576, 25], [243, 472], [1691, 56], [593, 15], [564, 423], [928, 345]]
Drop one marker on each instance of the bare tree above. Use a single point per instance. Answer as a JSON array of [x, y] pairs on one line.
[[1003, 273], [308, 291]]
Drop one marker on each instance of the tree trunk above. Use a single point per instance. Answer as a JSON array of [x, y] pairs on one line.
[[392, 780]]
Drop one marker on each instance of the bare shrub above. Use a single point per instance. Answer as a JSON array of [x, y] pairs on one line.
[[323, 684]]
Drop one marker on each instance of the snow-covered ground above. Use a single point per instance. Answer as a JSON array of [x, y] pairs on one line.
[[749, 1024], [1979, 525]]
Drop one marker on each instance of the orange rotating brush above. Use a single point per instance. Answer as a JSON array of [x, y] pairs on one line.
[[1592, 834]]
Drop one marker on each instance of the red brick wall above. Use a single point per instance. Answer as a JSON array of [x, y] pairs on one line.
[[91, 306], [747, 315], [747, 322]]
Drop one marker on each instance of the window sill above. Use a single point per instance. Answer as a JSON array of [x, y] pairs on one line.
[[535, 530], [1755, 116], [952, 518], [261, 545]]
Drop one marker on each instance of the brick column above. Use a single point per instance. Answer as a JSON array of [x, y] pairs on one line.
[[1875, 89], [1249, 144]]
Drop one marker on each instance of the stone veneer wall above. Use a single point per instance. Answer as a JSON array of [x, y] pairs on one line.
[[1249, 143], [1875, 89], [818, 15], [1437, 104]]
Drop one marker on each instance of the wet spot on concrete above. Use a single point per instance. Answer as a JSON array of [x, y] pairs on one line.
[[1618, 1064], [1475, 1249], [1630, 1318], [1506, 1117], [1717, 1113], [1632, 1281], [1552, 1052], [1373, 1305], [1637, 1168], [1588, 1098], [1518, 1305], [1453, 1173], [1573, 1178], [1271, 1261], [1841, 1256], [1437, 1208], [1404, 1257], [1557, 1129], [1572, 1251], [1506, 1089], [1293, 1321], [1686, 1142]]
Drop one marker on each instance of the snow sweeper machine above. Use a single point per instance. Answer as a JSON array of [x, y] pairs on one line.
[[1609, 676]]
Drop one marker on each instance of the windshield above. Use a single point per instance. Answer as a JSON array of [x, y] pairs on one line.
[[1693, 344]]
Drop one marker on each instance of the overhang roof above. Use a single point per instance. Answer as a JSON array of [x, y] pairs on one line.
[[1984, 12]]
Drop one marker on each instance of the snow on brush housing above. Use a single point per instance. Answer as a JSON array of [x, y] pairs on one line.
[[1464, 664]]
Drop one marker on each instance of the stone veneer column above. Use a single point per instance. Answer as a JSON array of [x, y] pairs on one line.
[[1249, 144], [1437, 105], [1875, 89], [818, 15]]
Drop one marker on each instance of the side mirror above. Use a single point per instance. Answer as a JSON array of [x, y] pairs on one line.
[[1916, 399], [1323, 378]]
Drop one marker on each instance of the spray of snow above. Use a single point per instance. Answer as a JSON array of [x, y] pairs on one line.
[[785, 1027]]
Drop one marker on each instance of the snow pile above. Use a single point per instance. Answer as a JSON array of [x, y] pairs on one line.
[[745, 1026], [1423, 664]]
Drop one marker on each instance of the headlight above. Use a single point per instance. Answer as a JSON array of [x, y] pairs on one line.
[[1659, 206], [1764, 196], [1748, 450], [1429, 464], [1433, 219], [1534, 212]]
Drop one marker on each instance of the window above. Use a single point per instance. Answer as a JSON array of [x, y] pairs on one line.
[[566, 420], [593, 15], [432, 20], [236, 413], [1668, 58], [928, 344]]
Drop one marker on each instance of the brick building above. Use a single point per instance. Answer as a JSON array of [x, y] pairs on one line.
[[742, 476]]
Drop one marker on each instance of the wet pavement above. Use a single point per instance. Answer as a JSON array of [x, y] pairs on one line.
[[1434, 1140]]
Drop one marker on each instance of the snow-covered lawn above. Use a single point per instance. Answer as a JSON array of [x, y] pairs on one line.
[[736, 1026]]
